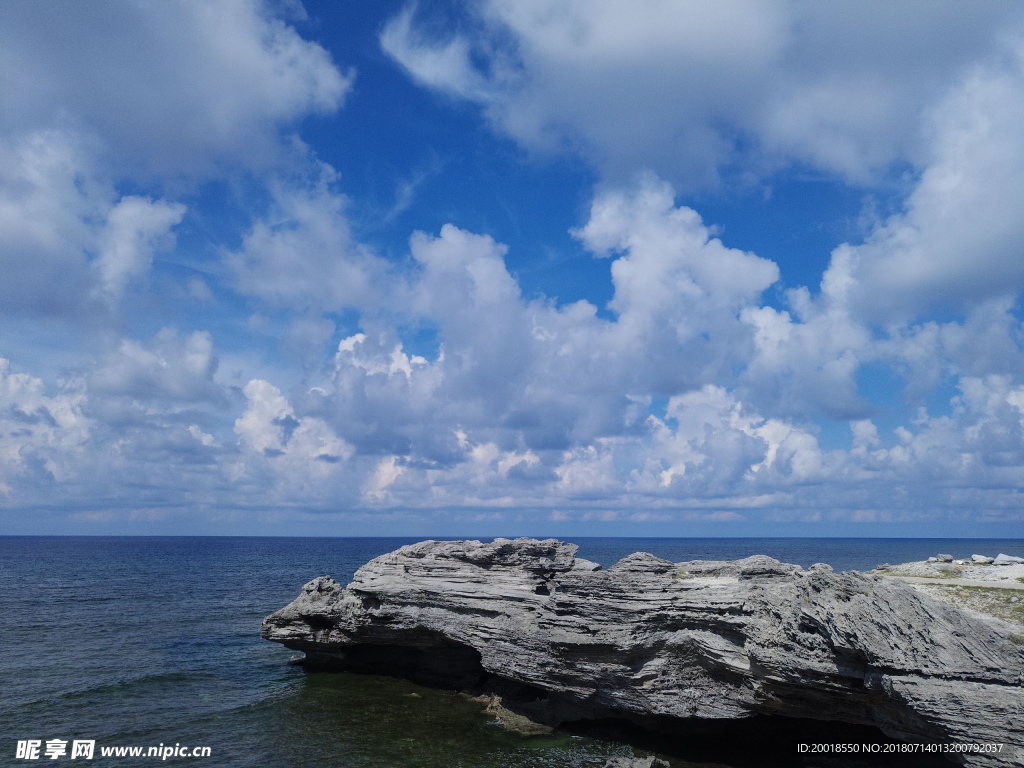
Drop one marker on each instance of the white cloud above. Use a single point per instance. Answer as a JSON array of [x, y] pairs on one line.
[[588, 472], [674, 276], [136, 227], [167, 88], [293, 457], [301, 255], [156, 415], [537, 405], [686, 395], [954, 248], [351, 351], [807, 366], [51, 195], [387, 472], [716, 83], [530, 376], [446, 67], [202, 437], [41, 436], [264, 423], [65, 236], [525, 395], [958, 241], [150, 94], [717, 446], [532, 405], [171, 370]]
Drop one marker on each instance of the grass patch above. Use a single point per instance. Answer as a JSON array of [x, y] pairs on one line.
[[989, 600], [1016, 639], [1020, 579]]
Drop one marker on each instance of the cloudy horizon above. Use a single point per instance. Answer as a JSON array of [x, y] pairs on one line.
[[717, 268]]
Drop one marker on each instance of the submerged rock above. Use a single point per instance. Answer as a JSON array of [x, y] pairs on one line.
[[666, 645], [636, 762]]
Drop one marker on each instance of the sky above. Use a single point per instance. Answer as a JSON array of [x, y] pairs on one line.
[[512, 267]]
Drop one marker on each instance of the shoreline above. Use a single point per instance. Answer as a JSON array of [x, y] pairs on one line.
[[989, 587], [958, 582]]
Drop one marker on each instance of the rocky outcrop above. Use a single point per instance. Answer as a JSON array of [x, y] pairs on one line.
[[666, 644]]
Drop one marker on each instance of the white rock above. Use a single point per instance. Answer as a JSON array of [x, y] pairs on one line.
[[934, 559], [1002, 559], [982, 560], [944, 558]]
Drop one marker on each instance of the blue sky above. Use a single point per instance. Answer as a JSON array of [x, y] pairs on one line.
[[534, 267]]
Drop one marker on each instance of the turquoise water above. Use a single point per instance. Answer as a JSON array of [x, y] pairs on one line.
[[148, 641]]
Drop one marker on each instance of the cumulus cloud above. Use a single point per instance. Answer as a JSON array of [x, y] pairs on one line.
[[164, 88], [144, 425], [954, 249], [527, 403], [151, 95], [51, 195], [443, 385], [958, 241], [716, 83], [301, 254], [135, 228], [42, 437], [523, 403], [678, 290], [171, 369], [523, 394], [144, 103], [66, 238], [527, 375], [301, 454]]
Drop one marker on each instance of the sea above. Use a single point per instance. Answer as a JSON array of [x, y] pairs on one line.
[[154, 642]]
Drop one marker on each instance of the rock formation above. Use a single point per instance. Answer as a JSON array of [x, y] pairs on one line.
[[664, 644], [636, 762]]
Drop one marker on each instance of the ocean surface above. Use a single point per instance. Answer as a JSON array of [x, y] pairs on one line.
[[133, 641]]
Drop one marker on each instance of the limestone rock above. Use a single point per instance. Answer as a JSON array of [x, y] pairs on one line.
[[512, 721], [642, 562], [657, 643], [1002, 559], [944, 558], [982, 559], [636, 762]]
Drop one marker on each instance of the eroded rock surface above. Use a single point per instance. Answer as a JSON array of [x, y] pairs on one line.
[[657, 643], [636, 762]]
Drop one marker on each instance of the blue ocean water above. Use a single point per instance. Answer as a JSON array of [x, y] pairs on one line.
[[150, 641]]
